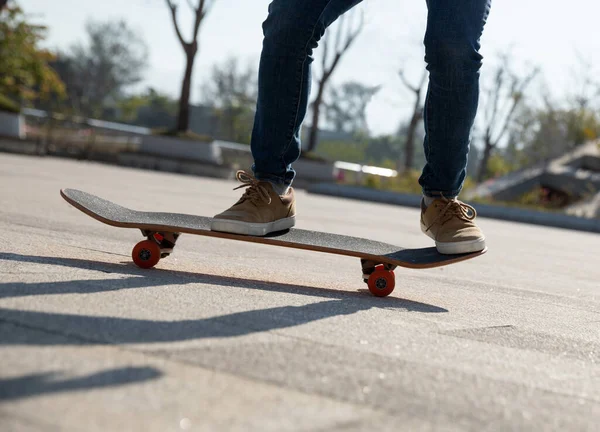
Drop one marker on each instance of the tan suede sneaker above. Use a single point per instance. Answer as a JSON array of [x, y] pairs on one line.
[[450, 223], [259, 211]]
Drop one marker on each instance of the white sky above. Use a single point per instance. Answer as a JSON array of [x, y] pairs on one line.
[[540, 32]]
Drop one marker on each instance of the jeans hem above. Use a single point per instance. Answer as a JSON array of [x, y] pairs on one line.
[[271, 178], [439, 194]]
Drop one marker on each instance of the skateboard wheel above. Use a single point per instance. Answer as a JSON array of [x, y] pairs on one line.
[[381, 282], [146, 254]]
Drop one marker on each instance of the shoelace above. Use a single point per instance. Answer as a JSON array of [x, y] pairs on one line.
[[454, 208], [255, 192]]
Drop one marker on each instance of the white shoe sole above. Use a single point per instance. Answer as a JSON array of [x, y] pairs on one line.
[[252, 229], [460, 247]]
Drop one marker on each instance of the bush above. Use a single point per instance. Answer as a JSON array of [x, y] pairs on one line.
[[407, 182], [7, 104]]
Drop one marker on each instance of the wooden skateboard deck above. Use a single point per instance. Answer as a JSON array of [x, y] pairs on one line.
[[162, 230]]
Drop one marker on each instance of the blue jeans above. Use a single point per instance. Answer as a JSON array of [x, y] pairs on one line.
[[292, 31]]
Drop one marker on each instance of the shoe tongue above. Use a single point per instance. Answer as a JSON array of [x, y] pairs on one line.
[[275, 189]]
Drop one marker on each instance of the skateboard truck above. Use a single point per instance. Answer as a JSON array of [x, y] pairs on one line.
[[165, 241], [379, 277]]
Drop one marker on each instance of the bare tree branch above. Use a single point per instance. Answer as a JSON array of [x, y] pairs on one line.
[[344, 37], [325, 53], [499, 85], [173, 8], [200, 13], [406, 83], [338, 35], [516, 100], [504, 98], [352, 35], [342, 47]]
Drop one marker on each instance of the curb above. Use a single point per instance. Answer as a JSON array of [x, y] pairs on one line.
[[484, 210]]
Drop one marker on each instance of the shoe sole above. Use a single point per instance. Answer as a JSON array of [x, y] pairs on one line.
[[252, 229], [461, 247]]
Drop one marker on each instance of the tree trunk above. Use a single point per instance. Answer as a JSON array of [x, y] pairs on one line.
[[183, 117], [417, 116], [487, 152], [314, 129], [409, 159]]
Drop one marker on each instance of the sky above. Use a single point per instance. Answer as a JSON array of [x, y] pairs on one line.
[[537, 32]]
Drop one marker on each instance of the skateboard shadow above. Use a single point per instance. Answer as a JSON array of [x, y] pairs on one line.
[[84, 329], [51, 382], [157, 277]]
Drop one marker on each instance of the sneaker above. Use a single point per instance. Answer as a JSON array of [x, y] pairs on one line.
[[450, 223], [259, 211]]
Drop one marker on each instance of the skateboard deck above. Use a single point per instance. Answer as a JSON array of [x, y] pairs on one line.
[[162, 230]]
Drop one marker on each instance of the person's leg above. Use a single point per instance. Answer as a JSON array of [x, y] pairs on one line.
[[452, 43], [454, 28], [292, 31]]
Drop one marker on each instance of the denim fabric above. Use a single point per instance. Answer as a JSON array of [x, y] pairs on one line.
[[293, 30]]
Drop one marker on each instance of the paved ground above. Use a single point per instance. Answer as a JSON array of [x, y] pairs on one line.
[[234, 336]]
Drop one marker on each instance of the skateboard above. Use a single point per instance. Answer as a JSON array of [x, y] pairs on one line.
[[161, 231]]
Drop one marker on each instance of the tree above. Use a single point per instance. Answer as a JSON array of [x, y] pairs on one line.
[[415, 119], [587, 86], [347, 111], [97, 72], [347, 32], [25, 73], [502, 100], [190, 49], [150, 109], [541, 133], [232, 90], [545, 133]]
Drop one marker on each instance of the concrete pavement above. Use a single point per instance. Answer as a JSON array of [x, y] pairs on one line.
[[236, 336]]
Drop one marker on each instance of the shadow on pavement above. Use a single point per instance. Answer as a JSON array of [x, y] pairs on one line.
[[116, 330], [51, 382]]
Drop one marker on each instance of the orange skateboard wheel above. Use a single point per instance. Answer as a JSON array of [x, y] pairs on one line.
[[381, 282], [146, 254]]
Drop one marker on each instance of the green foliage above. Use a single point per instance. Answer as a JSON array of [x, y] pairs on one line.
[[407, 182], [131, 105], [583, 125], [150, 109], [498, 166], [8, 105], [232, 91], [342, 150], [24, 71], [541, 198], [382, 151], [543, 134], [382, 148], [468, 184], [99, 69], [347, 110]]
